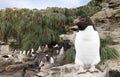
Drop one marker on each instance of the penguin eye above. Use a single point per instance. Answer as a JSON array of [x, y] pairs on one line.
[[83, 19]]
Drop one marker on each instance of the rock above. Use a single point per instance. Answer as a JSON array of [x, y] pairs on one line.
[[16, 67], [110, 68], [109, 12], [114, 73], [19, 73], [5, 63], [108, 30], [29, 73], [117, 12], [21, 58], [71, 37], [99, 15], [68, 70], [74, 28], [2, 69], [100, 74], [42, 74], [4, 49], [114, 3]]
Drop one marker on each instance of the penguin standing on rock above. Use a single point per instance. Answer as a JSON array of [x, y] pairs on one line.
[[87, 45]]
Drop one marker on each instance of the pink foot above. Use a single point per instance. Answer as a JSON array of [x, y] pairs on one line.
[[81, 70], [93, 69]]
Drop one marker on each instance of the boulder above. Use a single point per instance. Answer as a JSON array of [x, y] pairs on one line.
[[70, 36], [15, 67], [5, 63], [29, 73], [4, 49]]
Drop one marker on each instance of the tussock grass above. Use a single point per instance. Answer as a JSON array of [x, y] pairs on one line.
[[70, 54], [108, 53]]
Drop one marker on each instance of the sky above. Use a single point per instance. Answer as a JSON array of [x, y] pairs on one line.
[[42, 4]]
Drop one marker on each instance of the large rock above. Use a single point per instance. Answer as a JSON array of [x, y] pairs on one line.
[[4, 49], [15, 67], [70, 36], [113, 3], [110, 9], [29, 73], [5, 63]]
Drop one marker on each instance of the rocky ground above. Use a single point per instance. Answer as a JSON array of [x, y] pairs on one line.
[[108, 26]]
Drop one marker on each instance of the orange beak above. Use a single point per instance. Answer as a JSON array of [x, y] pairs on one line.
[[76, 21]]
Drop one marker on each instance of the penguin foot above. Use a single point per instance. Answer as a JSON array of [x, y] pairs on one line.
[[81, 70], [93, 69]]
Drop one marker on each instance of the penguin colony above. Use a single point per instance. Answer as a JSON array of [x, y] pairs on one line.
[[42, 56]]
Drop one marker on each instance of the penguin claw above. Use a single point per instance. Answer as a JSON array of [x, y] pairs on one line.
[[81, 71], [93, 69]]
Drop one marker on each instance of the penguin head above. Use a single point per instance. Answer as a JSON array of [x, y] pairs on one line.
[[47, 57], [83, 22], [33, 53]]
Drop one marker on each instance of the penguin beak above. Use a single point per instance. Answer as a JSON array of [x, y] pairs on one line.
[[76, 21]]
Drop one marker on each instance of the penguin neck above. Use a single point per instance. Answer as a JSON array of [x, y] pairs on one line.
[[89, 28], [47, 59]]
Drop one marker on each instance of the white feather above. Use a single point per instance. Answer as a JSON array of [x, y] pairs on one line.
[[51, 60], [20, 52], [56, 46], [28, 52], [41, 63], [39, 48], [87, 44], [61, 51], [57, 51], [32, 50], [24, 52]]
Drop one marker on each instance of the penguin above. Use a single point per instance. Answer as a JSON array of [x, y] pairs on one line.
[[39, 50], [52, 60], [24, 52], [21, 52], [59, 59], [28, 52], [7, 57], [47, 63], [87, 45], [46, 48], [56, 46], [33, 53]]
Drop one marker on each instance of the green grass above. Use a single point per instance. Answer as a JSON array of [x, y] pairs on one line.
[[105, 42], [70, 55], [108, 53]]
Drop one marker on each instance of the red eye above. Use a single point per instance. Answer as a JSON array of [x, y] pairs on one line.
[[83, 19]]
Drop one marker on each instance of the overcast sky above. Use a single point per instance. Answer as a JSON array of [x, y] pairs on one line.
[[42, 4]]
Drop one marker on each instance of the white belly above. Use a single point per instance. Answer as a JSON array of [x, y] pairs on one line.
[[87, 46]]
